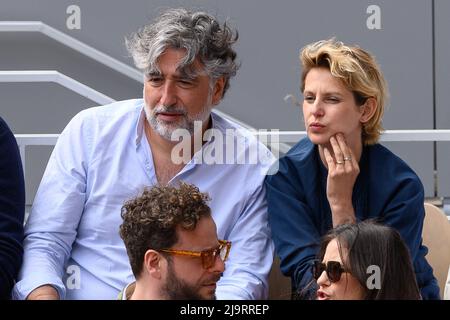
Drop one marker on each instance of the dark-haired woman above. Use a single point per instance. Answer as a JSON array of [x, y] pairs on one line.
[[364, 261]]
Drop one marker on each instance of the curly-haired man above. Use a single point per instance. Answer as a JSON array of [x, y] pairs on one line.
[[172, 244]]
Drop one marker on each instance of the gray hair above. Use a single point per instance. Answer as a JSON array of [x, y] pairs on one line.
[[198, 33]]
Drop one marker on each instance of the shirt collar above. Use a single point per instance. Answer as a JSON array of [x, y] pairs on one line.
[[140, 126], [208, 137]]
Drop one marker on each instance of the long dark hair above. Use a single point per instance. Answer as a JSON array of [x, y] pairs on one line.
[[371, 244]]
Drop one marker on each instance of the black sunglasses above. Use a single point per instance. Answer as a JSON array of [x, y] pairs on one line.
[[333, 269]]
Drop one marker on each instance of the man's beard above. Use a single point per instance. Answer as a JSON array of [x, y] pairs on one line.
[[177, 289], [166, 129]]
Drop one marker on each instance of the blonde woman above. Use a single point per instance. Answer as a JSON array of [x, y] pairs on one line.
[[339, 173]]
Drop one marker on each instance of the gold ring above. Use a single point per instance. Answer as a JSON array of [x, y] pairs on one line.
[[339, 162]]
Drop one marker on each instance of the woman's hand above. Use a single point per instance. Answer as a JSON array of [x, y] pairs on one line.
[[343, 170]]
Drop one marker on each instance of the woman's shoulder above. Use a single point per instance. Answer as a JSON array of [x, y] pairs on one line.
[[302, 151], [296, 162], [384, 162], [379, 152], [299, 157]]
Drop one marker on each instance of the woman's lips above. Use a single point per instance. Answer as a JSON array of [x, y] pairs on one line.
[[322, 295], [316, 127]]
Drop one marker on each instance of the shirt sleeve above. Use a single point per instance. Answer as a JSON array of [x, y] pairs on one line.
[[52, 226], [294, 232], [251, 255], [406, 213], [12, 208]]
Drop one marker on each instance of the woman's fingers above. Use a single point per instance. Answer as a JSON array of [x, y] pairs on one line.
[[347, 156], [329, 159], [338, 155], [355, 163], [341, 156]]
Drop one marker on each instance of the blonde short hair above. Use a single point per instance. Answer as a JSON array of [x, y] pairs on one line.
[[358, 71]]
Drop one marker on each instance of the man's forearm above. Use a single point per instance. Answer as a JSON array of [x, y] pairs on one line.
[[45, 292]]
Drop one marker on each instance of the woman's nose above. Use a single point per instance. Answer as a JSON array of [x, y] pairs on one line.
[[323, 279], [317, 108]]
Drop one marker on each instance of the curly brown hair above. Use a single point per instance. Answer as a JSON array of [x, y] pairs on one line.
[[150, 220]]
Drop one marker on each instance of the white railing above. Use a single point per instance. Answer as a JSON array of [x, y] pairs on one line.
[[281, 137], [55, 77], [68, 41], [387, 136], [24, 140]]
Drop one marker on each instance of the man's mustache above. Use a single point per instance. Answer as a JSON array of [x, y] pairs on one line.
[[169, 109]]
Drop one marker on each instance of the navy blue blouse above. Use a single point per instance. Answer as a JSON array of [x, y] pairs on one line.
[[386, 189], [12, 208]]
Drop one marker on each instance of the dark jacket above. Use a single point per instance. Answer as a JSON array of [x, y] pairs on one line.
[[12, 209], [386, 190]]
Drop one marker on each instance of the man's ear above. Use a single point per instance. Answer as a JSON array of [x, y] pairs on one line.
[[218, 90], [153, 263], [369, 108]]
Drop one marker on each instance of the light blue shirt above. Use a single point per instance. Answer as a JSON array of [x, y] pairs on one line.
[[103, 158]]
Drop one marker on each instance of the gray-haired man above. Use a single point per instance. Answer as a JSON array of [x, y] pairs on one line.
[[108, 154]]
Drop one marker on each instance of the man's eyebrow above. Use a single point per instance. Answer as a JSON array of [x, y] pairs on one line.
[[185, 76], [187, 73], [181, 73], [154, 73]]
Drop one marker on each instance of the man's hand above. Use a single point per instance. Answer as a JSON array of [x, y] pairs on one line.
[[342, 173], [45, 292]]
